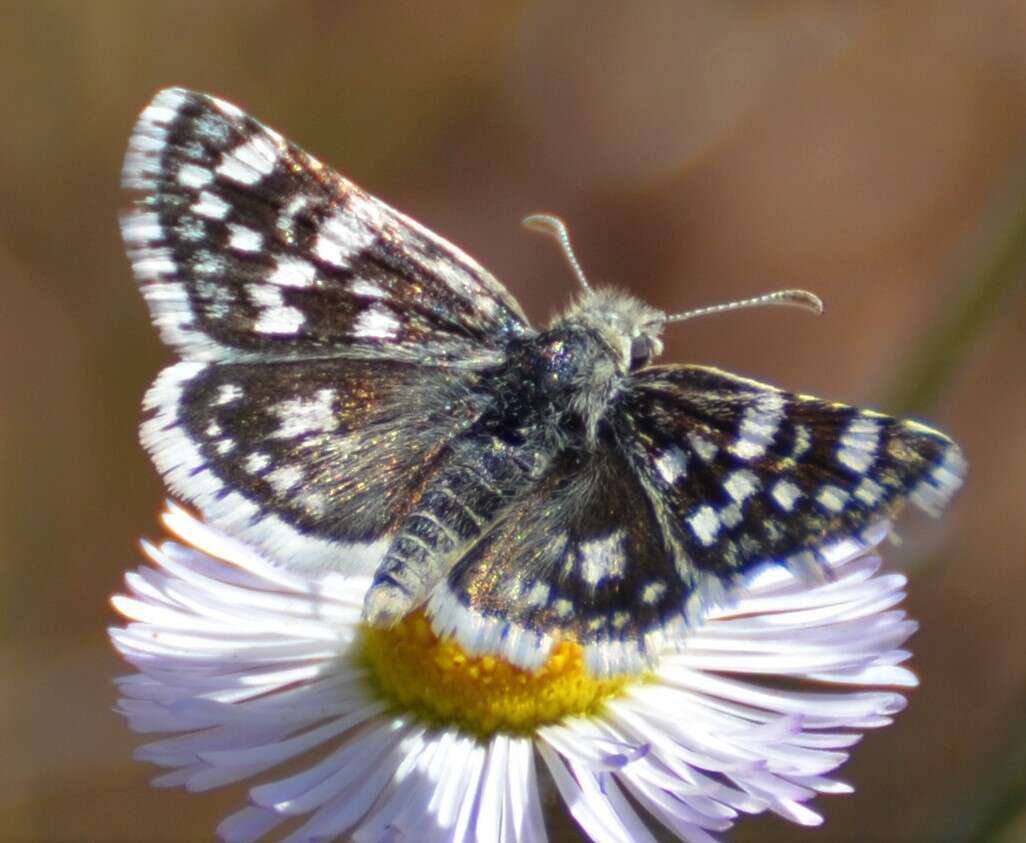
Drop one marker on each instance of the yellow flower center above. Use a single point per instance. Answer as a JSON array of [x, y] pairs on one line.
[[482, 694]]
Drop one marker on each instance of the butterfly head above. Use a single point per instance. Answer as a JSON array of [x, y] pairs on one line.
[[629, 328]]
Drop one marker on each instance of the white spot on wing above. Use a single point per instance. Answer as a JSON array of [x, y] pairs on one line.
[[377, 322], [256, 462], [280, 320], [194, 176], [303, 416], [249, 162], [276, 317], [943, 481], [705, 449], [213, 128], [859, 444], [287, 218], [226, 393], [704, 524], [832, 498], [759, 425], [348, 232], [672, 464], [651, 593], [538, 596], [244, 239], [802, 441], [453, 275], [314, 502], [207, 263], [284, 479], [785, 493], [869, 491], [602, 558], [730, 515], [741, 484], [291, 271]]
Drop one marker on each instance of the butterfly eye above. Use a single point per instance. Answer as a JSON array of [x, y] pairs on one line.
[[641, 351]]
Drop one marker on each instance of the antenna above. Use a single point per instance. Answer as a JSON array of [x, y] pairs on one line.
[[554, 227], [792, 298]]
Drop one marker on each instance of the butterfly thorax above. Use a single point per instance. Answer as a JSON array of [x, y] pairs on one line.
[[591, 349], [553, 387]]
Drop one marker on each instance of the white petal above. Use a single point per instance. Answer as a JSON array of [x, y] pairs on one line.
[[589, 806], [319, 784], [349, 804], [469, 794]]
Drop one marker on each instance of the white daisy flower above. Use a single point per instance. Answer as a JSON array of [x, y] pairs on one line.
[[251, 666]]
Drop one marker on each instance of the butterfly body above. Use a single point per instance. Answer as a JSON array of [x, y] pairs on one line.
[[548, 398], [357, 394]]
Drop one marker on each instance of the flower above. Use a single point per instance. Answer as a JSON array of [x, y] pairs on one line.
[[406, 737]]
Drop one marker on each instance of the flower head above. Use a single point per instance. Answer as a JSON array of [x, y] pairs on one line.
[[394, 734]]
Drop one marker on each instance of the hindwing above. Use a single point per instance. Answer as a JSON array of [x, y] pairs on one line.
[[579, 556], [316, 461]]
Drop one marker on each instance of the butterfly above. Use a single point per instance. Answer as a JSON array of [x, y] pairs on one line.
[[357, 394]]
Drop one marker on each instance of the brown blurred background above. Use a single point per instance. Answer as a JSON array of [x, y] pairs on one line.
[[701, 151]]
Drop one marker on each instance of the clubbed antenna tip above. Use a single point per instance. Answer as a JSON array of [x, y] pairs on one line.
[[555, 227], [792, 298]]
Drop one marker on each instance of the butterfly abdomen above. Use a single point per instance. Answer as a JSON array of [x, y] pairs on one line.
[[481, 473]]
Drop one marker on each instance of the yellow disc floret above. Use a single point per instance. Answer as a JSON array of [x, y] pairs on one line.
[[436, 679]]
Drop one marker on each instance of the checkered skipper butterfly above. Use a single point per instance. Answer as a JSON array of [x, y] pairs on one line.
[[356, 393]]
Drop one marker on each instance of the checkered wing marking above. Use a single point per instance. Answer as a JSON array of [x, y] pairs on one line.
[[704, 477], [743, 473], [315, 461], [248, 248], [581, 555]]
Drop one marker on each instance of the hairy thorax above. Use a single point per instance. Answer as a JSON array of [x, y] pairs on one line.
[[556, 385], [561, 382]]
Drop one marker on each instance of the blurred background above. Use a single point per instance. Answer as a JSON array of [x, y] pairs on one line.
[[700, 151]]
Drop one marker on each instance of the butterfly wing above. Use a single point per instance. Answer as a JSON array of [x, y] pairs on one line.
[[702, 478], [748, 474], [329, 342], [315, 461], [248, 248], [581, 555]]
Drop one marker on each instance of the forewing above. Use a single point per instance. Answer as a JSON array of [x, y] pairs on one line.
[[316, 461], [581, 556], [248, 248], [747, 474]]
